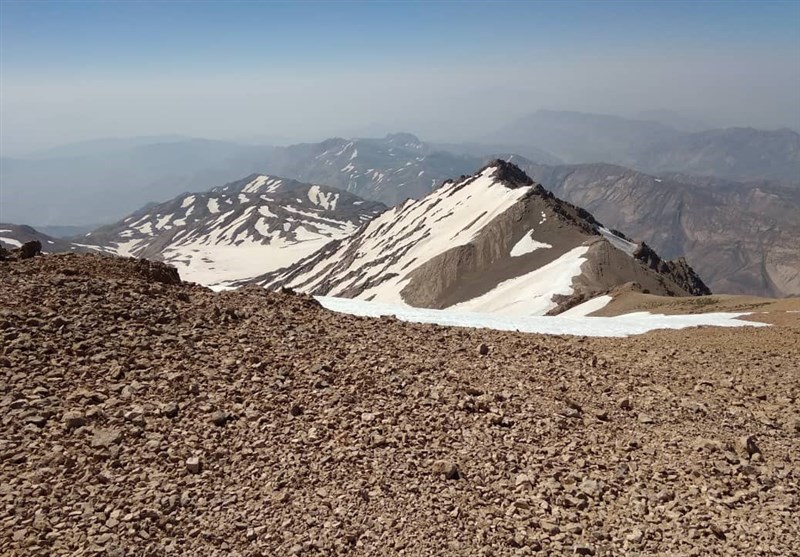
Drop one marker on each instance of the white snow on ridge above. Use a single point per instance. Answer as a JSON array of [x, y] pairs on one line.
[[620, 326], [188, 201], [216, 266], [10, 241], [620, 243], [255, 185], [324, 200], [162, 222], [532, 293], [213, 205], [527, 245], [397, 231]]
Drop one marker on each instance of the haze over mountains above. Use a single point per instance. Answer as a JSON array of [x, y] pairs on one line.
[[725, 199], [97, 182]]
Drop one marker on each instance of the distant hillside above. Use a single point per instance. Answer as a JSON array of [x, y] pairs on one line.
[[735, 153], [238, 230], [741, 238]]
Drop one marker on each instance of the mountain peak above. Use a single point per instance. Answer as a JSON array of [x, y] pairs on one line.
[[403, 138], [509, 173]]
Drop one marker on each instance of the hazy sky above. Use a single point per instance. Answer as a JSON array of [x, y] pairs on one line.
[[444, 70]]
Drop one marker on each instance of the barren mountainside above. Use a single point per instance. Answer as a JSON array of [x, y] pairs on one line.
[[740, 237]]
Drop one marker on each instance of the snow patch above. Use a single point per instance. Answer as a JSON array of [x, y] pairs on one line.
[[527, 245], [590, 306], [532, 293], [619, 326], [10, 241]]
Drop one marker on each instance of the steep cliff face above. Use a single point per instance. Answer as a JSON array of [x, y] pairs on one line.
[[493, 242]]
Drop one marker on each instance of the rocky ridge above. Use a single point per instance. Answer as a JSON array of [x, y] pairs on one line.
[[142, 416], [494, 242]]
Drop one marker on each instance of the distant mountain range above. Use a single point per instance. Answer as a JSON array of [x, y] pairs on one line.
[[734, 153], [101, 181], [741, 237]]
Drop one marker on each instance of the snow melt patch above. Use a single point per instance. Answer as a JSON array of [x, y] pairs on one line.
[[590, 306], [10, 241], [255, 185], [527, 245], [188, 201], [619, 326], [213, 205], [324, 200], [532, 293]]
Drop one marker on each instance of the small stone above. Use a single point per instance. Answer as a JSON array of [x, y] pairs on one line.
[[105, 437], [601, 415], [220, 418], [746, 445], [483, 349], [170, 410], [717, 530], [522, 480], [193, 465], [582, 549], [296, 410], [135, 415], [549, 527], [448, 468], [74, 420], [625, 404], [36, 420], [590, 488], [636, 536], [645, 418], [367, 417]]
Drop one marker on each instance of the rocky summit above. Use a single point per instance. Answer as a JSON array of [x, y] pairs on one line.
[[145, 416], [495, 242]]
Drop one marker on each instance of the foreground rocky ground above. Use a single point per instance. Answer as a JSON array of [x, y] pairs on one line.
[[141, 417]]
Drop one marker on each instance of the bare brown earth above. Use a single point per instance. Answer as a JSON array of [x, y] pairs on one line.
[[780, 311], [146, 418]]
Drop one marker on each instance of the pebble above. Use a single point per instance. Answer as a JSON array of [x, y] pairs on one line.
[[194, 465]]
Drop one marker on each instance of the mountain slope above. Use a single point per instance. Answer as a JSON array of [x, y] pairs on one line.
[[494, 242], [237, 230], [14, 235], [741, 238], [735, 153], [389, 170]]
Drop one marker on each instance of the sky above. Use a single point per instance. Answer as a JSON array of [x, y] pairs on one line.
[[448, 71]]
